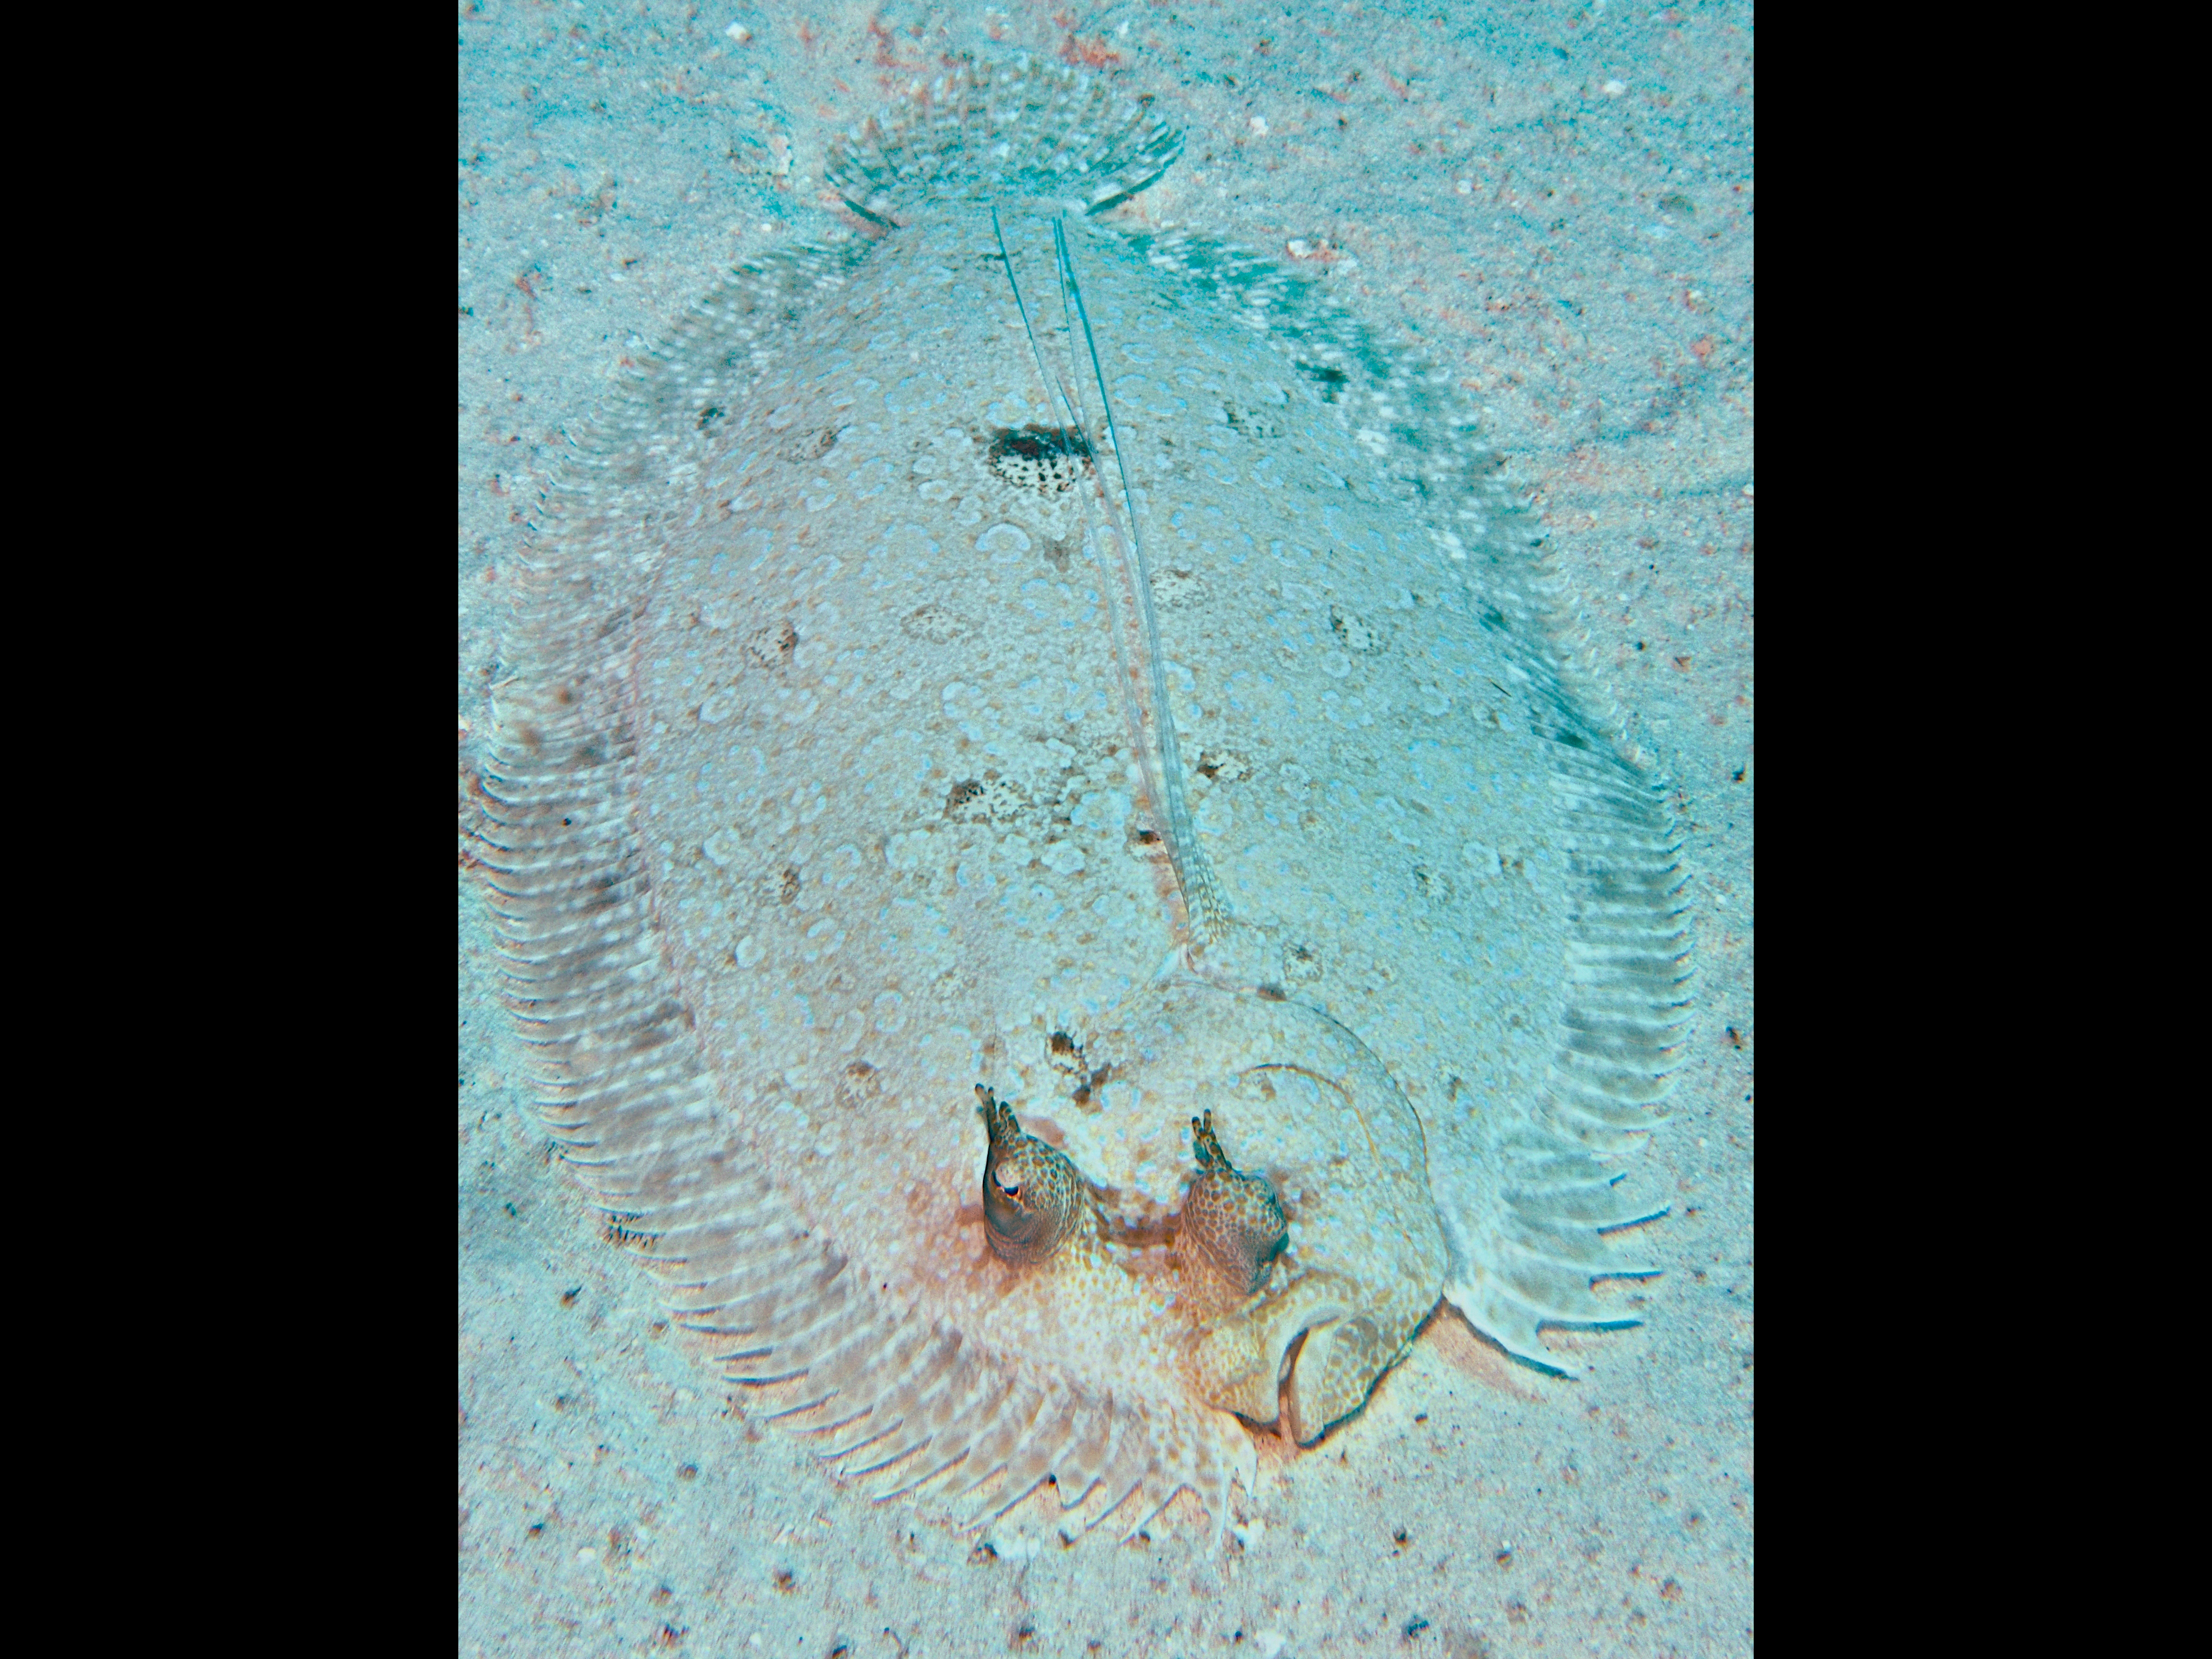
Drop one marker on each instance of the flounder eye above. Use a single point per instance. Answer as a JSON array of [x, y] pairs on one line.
[[1035, 1203], [1232, 1229]]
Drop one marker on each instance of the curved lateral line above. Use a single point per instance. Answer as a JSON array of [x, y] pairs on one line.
[[1201, 887], [1117, 593], [1204, 905]]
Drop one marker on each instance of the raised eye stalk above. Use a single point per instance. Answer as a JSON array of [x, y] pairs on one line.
[[1034, 1200], [1233, 1226]]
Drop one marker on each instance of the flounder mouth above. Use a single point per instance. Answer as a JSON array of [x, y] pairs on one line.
[[1320, 1363], [1335, 1368], [1284, 1334], [1305, 1254]]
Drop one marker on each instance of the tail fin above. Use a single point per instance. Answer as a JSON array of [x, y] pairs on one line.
[[1003, 132]]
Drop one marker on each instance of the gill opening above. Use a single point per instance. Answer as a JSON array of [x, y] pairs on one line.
[[1133, 618]]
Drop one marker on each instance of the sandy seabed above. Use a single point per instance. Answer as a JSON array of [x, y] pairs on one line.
[[1557, 199]]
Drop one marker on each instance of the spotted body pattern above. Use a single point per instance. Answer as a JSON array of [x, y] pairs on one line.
[[1230, 1230], [1035, 1208], [1018, 659]]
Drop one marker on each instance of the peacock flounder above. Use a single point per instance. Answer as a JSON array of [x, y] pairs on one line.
[[1011, 699]]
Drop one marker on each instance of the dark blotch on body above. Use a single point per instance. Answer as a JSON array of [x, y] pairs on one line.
[[1046, 460]]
